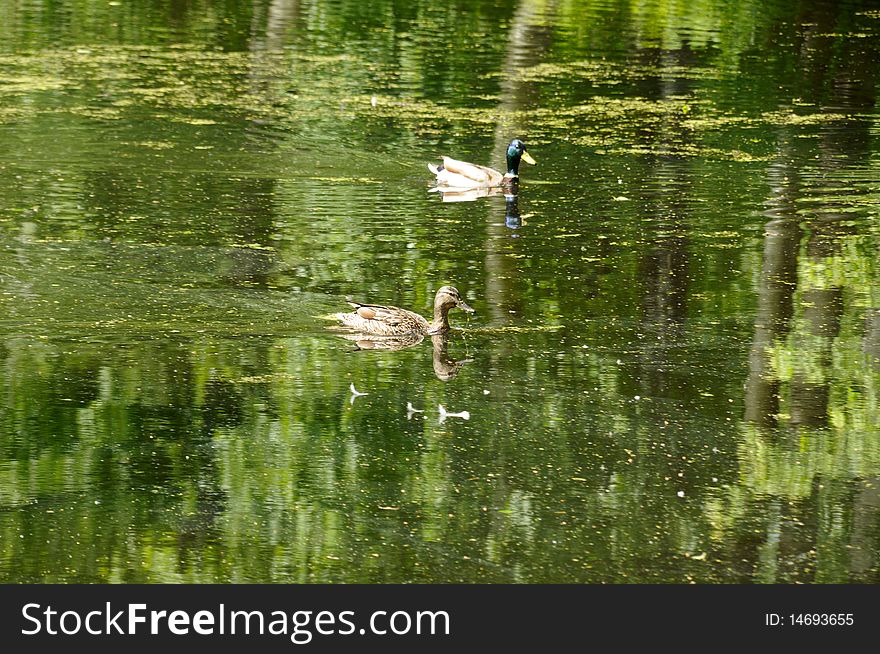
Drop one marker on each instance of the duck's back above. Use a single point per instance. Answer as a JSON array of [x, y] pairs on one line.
[[462, 174], [383, 320]]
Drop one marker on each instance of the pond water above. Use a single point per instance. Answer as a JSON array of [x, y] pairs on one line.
[[673, 370]]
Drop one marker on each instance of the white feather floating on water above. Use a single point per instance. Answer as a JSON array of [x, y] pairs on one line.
[[355, 393], [444, 414], [410, 410]]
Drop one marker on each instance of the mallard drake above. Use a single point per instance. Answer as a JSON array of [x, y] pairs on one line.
[[380, 320], [463, 175]]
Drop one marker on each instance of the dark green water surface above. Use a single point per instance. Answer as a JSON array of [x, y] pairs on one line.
[[673, 371]]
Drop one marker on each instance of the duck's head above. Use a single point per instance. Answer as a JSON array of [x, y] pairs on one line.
[[448, 297], [516, 151]]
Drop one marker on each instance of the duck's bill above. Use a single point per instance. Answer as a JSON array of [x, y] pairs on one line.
[[528, 158], [465, 307]]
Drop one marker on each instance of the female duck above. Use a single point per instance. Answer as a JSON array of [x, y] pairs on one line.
[[462, 175], [392, 321]]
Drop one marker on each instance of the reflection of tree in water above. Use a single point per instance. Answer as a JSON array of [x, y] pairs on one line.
[[793, 386], [790, 248], [664, 269], [273, 479]]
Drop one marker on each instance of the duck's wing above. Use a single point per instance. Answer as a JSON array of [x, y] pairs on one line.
[[378, 319], [482, 174], [461, 174], [448, 180]]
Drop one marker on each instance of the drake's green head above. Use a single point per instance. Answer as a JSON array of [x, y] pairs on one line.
[[516, 151]]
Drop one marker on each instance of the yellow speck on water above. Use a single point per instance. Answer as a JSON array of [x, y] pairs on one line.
[[195, 121]]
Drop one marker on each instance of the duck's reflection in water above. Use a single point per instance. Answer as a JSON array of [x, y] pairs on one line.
[[512, 218], [511, 214], [445, 367], [465, 195]]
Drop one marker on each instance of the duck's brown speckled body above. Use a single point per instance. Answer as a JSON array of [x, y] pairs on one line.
[[381, 320]]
